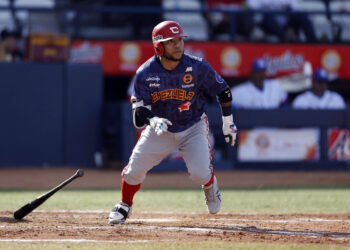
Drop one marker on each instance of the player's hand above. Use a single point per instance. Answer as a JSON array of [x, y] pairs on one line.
[[229, 129], [160, 125]]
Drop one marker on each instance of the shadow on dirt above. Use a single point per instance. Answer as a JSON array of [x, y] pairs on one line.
[[12, 220]]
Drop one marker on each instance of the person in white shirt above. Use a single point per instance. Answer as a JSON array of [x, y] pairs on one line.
[[258, 92], [319, 97]]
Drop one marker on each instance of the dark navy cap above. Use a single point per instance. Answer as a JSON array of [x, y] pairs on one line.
[[321, 75], [259, 65]]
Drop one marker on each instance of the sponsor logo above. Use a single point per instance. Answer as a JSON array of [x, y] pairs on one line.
[[177, 94], [187, 78], [86, 53], [231, 58], [188, 86], [188, 69], [155, 78], [184, 106], [157, 38], [286, 62], [156, 85], [331, 60], [262, 141], [130, 52]]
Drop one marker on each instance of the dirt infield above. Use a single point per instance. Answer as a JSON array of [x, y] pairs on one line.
[[92, 226]]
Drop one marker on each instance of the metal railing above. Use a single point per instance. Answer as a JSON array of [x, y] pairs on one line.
[[70, 16]]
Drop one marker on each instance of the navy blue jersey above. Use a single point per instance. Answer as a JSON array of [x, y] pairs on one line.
[[179, 94]]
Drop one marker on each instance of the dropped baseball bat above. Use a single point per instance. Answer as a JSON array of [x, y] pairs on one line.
[[26, 209]]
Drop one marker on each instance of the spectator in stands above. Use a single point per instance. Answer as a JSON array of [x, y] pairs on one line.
[[285, 26], [319, 97], [259, 92], [337, 29], [9, 46], [219, 23]]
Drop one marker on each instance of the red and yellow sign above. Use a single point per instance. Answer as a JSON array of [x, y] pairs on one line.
[[228, 59]]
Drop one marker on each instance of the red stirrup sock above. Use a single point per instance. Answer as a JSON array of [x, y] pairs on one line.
[[128, 192], [211, 179]]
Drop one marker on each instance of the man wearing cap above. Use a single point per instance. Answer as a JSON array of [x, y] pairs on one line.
[[319, 97], [168, 99], [9, 46], [258, 92]]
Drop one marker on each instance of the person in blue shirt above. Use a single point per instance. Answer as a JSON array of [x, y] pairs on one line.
[[168, 98]]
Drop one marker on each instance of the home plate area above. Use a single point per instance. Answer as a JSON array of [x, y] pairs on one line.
[[92, 226]]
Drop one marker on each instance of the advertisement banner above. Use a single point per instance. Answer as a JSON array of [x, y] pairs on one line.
[[229, 59], [339, 144], [278, 144]]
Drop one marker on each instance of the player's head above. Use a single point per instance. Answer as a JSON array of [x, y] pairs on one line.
[[320, 81], [164, 34], [258, 72], [321, 75]]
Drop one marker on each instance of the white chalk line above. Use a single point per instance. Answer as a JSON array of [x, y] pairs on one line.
[[107, 211], [140, 212], [295, 220], [77, 241], [138, 227]]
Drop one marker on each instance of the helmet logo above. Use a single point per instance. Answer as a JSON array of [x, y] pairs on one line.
[[174, 29]]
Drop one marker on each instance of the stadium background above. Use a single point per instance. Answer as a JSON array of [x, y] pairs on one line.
[[106, 41], [64, 104]]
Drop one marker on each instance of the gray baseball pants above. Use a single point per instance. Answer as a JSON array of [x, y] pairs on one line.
[[151, 149]]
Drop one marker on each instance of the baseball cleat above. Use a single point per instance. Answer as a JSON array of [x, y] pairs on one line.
[[212, 197], [120, 213]]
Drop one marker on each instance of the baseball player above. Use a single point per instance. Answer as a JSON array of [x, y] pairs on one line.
[[169, 100], [319, 97], [259, 92]]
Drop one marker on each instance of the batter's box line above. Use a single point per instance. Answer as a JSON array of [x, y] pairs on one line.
[[81, 241], [286, 232], [139, 212]]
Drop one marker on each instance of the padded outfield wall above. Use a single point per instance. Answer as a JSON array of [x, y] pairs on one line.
[[50, 114]]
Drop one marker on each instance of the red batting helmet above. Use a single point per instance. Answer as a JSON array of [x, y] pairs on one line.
[[165, 31]]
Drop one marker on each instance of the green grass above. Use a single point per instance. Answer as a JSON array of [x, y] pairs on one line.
[[308, 200], [165, 245]]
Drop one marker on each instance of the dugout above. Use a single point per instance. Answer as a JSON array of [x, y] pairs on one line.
[[324, 133]]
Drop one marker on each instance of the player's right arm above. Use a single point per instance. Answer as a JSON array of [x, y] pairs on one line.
[[144, 116], [141, 106]]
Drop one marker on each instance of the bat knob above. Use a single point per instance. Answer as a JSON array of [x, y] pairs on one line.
[[80, 173]]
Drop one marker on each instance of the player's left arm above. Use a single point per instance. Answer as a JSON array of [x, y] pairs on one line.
[[216, 85], [228, 126]]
